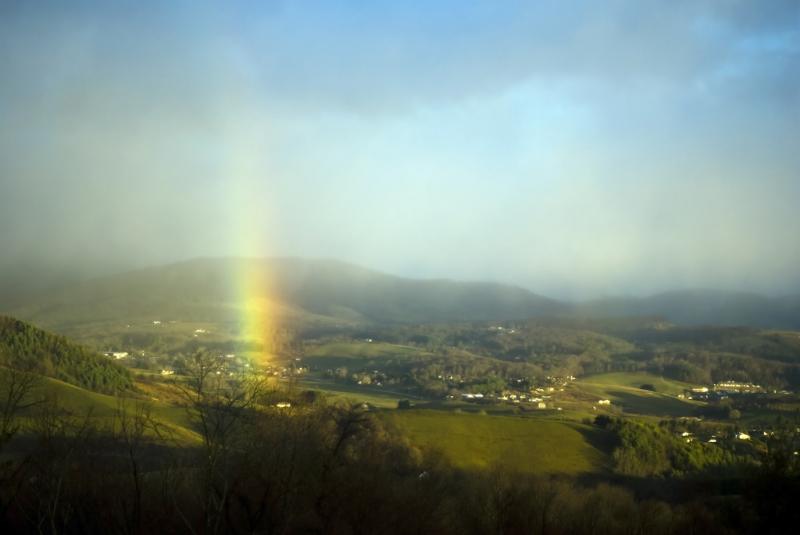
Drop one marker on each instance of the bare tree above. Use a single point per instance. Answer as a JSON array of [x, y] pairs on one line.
[[134, 428], [219, 402], [16, 387]]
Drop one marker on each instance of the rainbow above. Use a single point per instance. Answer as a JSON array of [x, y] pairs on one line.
[[251, 236]]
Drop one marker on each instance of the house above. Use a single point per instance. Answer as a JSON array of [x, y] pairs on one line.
[[541, 405], [743, 436], [117, 354], [604, 402], [283, 405], [167, 372]]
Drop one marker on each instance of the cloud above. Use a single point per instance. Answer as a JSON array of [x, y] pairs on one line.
[[576, 149]]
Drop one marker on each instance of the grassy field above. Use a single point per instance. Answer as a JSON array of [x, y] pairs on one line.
[[623, 389], [478, 441], [360, 394], [637, 379], [102, 408]]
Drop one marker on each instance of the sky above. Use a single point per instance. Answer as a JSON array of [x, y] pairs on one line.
[[578, 149]]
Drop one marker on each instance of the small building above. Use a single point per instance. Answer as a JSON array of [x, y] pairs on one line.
[[743, 436], [283, 405], [604, 402], [541, 405]]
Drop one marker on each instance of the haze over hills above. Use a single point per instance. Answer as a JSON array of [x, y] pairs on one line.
[[325, 291], [297, 289], [704, 307]]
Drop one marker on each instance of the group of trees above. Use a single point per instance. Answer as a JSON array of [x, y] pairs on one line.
[[648, 450], [23, 346]]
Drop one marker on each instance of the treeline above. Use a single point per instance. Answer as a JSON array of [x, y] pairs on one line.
[[647, 450], [24, 347]]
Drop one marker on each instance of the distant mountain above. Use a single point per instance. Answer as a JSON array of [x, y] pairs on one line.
[[324, 286], [25, 347], [293, 289], [703, 307], [328, 292]]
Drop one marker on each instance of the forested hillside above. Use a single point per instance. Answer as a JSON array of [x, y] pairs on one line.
[[23, 346]]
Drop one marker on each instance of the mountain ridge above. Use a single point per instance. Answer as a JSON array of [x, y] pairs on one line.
[[323, 289]]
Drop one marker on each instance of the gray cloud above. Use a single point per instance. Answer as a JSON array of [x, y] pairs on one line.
[[572, 149]]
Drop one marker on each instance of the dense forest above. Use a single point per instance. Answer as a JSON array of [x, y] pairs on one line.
[[23, 346]]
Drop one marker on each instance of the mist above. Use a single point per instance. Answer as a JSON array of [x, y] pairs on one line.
[[578, 151]]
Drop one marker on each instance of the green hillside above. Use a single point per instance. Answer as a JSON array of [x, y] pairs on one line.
[[637, 380], [625, 392], [104, 409], [26, 347], [478, 441]]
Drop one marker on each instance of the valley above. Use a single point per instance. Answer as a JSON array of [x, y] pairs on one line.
[[623, 400]]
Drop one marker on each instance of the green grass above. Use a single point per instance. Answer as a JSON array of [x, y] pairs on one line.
[[479, 441], [637, 379], [623, 389], [374, 395], [102, 408]]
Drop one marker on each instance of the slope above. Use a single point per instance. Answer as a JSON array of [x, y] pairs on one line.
[[26, 347]]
